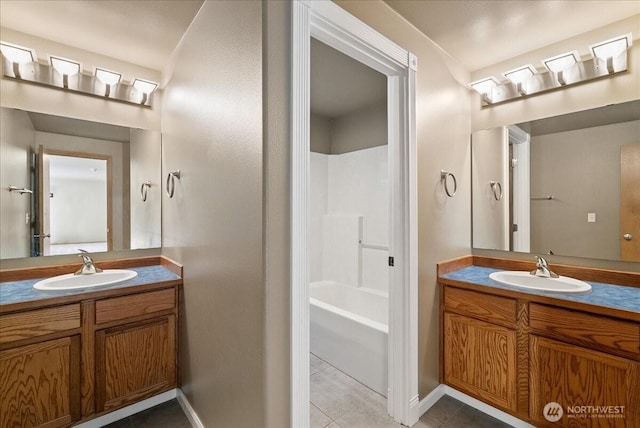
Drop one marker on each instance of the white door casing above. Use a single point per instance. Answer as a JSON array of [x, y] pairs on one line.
[[335, 27]]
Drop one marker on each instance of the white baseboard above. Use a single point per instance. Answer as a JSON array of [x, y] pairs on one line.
[[116, 415], [485, 408], [427, 402], [188, 410]]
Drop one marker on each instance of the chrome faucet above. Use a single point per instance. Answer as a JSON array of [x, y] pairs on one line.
[[88, 268], [542, 269]]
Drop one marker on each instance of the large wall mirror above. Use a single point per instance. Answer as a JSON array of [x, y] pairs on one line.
[[69, 184], [566, 185]]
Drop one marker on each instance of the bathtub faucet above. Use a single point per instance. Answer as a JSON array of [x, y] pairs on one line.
[[542, 269], [88, 268]]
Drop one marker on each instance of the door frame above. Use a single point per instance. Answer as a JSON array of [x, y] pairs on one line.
[[334, 26]]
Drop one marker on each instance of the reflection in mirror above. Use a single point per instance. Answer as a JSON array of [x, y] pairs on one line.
[[570, 185], [86, 186]]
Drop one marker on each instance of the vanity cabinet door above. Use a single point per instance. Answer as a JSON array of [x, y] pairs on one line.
[[576, 378], [40, 384], [135, 361], [480, 360]]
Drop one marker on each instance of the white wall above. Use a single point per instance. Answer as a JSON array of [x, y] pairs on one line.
[[78, 210], [145, 163], [318, 208], [17, 138]]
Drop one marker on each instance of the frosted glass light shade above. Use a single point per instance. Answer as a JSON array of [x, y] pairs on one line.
[[611, 48], [520, 74], [561, 62], [108, 77], [16, 54], [144, 86], [65, 67], [484, 86]]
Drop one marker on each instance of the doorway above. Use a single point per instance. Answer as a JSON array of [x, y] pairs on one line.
[[331, 25], [74, 202]]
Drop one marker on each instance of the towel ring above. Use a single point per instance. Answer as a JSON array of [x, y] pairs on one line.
[[171, 182], [497, 190], [443, 176], [144, 189]]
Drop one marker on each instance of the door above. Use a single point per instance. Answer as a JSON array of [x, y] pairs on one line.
[[135, 361], [40, 384], [571, 386], [630, 202]]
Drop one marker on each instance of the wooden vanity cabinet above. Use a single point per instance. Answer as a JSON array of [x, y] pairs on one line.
[[518, 355], [63, 364]]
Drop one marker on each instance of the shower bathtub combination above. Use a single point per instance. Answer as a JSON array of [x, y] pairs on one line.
[[349, 330]]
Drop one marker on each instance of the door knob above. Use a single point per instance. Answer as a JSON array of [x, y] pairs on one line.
[[628, 236], [48, 235]]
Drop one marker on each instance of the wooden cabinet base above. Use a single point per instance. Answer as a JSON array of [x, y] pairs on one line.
[[40, 384], [134, 361], [479, 359], [552, 366], [591, 388]]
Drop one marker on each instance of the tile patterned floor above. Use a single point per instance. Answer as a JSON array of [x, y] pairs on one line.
[[337, 401]]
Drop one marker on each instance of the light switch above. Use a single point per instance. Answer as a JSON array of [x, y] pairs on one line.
[[591, 217], [26, 218]]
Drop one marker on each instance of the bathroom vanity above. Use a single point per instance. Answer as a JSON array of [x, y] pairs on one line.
[[69, 356], [519, 350]]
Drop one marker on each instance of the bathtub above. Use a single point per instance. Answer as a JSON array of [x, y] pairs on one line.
[[349, 329]]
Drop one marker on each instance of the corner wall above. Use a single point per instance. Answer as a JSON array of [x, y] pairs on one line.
[[212, 129], [443, 130]]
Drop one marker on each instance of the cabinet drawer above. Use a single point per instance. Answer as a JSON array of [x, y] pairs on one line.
[[494, 309], [592, 331], [25, 325], [119, 308]]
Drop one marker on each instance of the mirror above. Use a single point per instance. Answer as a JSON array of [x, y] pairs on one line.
[[565, 185], [68, 184]]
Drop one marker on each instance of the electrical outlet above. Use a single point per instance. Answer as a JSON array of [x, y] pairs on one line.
[[591, 217]]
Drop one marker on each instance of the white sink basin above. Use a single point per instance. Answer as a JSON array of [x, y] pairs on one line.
[[71, 281], [563, 284]]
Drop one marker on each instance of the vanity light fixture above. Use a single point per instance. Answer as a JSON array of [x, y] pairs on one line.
[[109, 78], [610, 49], [560, 63], [16, 55], [484, 87], [609, 58], [21, 64], [145, 88], [519, 76], [66, 68]]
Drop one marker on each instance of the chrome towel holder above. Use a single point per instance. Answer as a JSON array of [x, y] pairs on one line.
[[21, 190], [144, 189], [497, 190], [444, 175], [171, 182]]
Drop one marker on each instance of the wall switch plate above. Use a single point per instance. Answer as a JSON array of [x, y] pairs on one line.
[[26, 218], [591, 217]]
